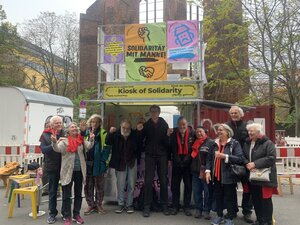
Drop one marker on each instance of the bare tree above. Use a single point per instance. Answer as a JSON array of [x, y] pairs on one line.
[[56, 53], [274, 39]]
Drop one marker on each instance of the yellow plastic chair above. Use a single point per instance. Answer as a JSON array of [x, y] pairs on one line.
[[14, 177], [32, 192]]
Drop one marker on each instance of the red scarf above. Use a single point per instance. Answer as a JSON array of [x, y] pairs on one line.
[[218, 163], [196, 146], [184, 150], [73, 143]]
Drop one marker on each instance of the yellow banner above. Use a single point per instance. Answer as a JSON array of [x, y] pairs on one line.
[[150, 91]]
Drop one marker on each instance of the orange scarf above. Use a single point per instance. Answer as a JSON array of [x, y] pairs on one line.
[[196, 146], [218, 163], [73, 143]]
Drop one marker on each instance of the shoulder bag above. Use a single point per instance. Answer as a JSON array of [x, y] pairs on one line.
[[237, 170]]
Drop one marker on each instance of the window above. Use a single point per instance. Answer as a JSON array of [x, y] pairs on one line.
[[194, 11], [151, 11]]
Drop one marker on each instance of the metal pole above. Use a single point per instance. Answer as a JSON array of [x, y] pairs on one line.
[[99, 95]]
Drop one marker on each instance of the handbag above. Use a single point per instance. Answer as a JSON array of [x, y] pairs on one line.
[[238, 170], [260, 175]]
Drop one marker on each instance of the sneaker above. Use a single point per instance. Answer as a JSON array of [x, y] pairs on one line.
[[120, 209], [146, 213], [130, 210], [229, 222], [101, 210], [78, 219], [187, 212], [166, 211], [89, 210], [207, 216], [247, 218], [68, 221], [63, 217], [198, 214], [174, 211], [51, 219], [217, 220]]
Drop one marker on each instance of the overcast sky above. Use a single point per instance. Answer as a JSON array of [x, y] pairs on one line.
[[19, 10]]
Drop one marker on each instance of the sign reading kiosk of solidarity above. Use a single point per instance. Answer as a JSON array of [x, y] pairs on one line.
[[148, 91], [145, 52]]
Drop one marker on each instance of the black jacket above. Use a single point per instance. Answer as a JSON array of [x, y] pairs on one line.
[[52, 159], [264, 156], [116, 140], [156, 139], [234, 157], [204, 152], [239, 130], [181, 160]]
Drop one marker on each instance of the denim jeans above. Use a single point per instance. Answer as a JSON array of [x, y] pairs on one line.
[[126, 177], [202, 193], [53, 180], [67, 194]]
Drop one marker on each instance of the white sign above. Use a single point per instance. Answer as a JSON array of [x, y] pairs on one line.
[[82, 113]]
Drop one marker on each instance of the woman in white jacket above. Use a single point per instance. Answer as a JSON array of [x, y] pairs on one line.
[[73, 170]]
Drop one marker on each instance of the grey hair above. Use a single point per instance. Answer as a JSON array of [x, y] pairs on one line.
[[240, 110], [256, 126], [94, 116], [125, 121], [228, 129], [53, 118], [68, 127]]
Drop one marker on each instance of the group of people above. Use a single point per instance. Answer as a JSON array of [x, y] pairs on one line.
[[83, 155]]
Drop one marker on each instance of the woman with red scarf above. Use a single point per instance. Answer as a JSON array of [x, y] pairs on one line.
[[73, 170], [260, 153], [202, 192], [229, 152]]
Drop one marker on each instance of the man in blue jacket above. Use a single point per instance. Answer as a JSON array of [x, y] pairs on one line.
[[52, 163]]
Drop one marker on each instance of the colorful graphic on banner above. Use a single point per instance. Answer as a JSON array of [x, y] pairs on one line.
[[145, 52], [182, 41], [113, 49]]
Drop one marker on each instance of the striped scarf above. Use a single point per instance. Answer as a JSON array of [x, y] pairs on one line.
[[218, 162]]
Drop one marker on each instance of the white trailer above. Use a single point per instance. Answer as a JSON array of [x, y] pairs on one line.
[[23, 114]]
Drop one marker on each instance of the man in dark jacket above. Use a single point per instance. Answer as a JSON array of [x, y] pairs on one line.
[[182, 140], [241, 134], [155, 132], [124, 160], [52, 162]]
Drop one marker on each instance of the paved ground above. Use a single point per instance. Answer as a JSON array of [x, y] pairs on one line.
[[286, 210]]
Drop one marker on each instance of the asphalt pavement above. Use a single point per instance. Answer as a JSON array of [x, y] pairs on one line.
[[286, 211]]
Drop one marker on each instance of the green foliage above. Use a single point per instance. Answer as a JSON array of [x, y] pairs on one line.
[[226, 58], [10, 71]]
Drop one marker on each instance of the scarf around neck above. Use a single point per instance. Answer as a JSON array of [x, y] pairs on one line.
[[218, 162], [183, 148], [196, 146], [73, 143]]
